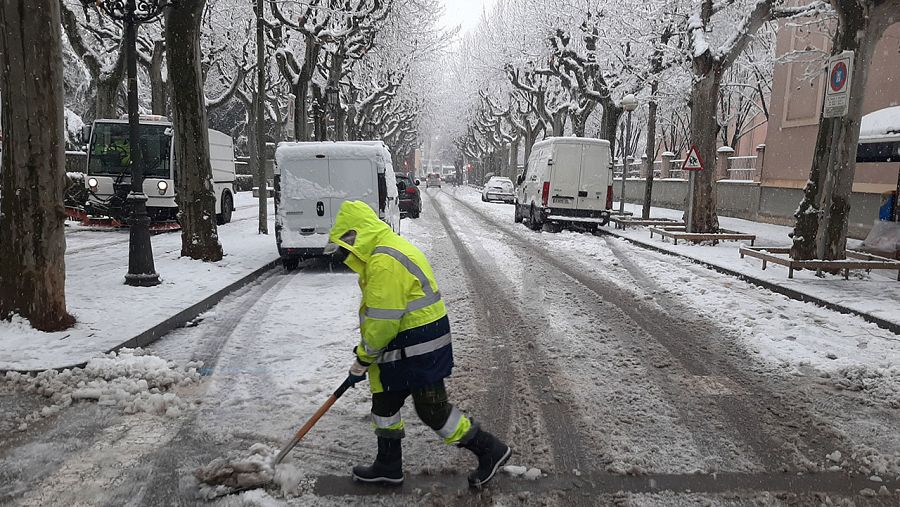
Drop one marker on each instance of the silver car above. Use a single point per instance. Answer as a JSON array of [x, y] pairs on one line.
[[498, 189]]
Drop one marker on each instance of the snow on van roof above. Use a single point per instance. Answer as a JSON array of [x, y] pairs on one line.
[[572, 140], [290, 152], [880, 126]]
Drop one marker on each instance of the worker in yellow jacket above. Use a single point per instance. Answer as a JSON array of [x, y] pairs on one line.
[[406, 347]]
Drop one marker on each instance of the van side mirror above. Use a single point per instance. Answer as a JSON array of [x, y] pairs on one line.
[[401, 186], [549, 161], [85, 134], [519, 179]]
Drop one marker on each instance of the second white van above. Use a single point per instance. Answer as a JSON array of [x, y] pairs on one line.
[[567, 182], [311, 182]]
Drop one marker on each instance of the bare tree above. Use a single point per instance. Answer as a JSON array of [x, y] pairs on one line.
[[822, 217], [104, 58], [196, 197], [32, 239]]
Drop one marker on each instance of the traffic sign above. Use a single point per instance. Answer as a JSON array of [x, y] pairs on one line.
[[837, 93], [693, 162]]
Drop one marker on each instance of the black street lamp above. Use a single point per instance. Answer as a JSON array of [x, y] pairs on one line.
[[333, 94], [141, 271], [333, 97]]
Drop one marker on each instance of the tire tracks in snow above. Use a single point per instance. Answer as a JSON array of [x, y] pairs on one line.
[[742, 401], [165, 480], [506, 321]]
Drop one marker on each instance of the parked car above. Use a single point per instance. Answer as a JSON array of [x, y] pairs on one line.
[[311, 182], [410, 197], [499, 188], [568, 182], [433, 180]]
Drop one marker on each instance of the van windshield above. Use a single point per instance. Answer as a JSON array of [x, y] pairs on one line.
[[110, 150]]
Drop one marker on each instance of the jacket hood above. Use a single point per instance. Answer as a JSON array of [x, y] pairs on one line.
[[358, 229]]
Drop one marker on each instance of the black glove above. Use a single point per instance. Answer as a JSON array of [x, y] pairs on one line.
[[357, 372]]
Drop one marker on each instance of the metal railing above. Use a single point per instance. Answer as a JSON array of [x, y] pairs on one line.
[[676, 172], [741, 168]]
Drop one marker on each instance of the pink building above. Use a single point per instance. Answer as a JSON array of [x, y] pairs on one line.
[[796, 109]]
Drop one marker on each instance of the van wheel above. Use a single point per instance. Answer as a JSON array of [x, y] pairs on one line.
[[227, 209], [290, 263], [518, 214]]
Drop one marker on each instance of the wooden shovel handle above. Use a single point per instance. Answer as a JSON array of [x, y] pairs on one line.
[[313, 420]]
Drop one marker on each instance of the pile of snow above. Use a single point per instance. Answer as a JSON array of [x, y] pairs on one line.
[[882, 385], [223, 475], [128, 379], [530, 474]]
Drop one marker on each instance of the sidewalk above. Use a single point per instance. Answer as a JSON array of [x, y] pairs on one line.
[[109, 313], [875, 294]]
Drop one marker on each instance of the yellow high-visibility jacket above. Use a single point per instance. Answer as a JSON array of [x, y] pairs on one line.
[[402, 319]]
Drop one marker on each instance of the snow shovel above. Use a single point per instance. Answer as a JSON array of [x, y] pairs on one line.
[[225, 474]]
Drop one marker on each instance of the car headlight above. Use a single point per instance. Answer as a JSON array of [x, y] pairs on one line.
[[92, 182], [162, 186]]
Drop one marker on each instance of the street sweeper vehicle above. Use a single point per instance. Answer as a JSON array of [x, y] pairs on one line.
[[108, 178]]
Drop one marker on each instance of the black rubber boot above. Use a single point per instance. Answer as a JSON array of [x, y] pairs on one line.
[[388, 466], [491, 453]]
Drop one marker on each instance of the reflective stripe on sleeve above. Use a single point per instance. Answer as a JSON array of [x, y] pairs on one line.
[[386, 422], [369, 350], [452, 422], [383, 314], [415, 350]]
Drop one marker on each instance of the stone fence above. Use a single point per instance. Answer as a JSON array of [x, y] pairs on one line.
[[727, 166]]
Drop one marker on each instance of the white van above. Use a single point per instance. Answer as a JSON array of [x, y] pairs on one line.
[[567, 182], [311, 182]]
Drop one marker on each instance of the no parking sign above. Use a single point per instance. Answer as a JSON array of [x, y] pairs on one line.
[[837, 91]]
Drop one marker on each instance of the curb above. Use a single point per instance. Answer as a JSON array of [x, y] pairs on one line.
[[176, 321], [774, 287]]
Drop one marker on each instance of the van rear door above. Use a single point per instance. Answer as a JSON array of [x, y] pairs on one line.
[[353, 179], [305, 186], [564, 175], [594, 178]]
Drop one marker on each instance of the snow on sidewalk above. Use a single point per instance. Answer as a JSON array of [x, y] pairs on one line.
[[109, 312], [876, 293]]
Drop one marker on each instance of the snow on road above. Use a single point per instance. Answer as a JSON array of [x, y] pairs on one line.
[[609, 369], [109, 312]]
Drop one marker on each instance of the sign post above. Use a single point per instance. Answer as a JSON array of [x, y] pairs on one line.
[[837, 93], [692, 163], [836, 106]]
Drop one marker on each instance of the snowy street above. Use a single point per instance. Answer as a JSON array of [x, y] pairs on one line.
[[618, 376]]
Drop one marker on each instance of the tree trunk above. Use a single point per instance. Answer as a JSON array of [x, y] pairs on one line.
[[860, 28], [609, 123], [806, 227], [158, 88], [196, 196], [301, 90], [652, 108], [514, 157], [32, 239], [704, 133], [260, 111], [106, 105]]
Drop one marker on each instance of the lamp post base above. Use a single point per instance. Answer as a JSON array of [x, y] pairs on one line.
[[141, 271], [142, 280]]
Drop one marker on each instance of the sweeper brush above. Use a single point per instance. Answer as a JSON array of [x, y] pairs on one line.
[[228, 476]]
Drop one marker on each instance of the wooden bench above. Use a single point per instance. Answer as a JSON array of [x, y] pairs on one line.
[[623, 222], [677, 232], [855, 260]]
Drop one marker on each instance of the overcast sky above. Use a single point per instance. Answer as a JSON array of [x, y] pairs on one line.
[[464, 12]]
